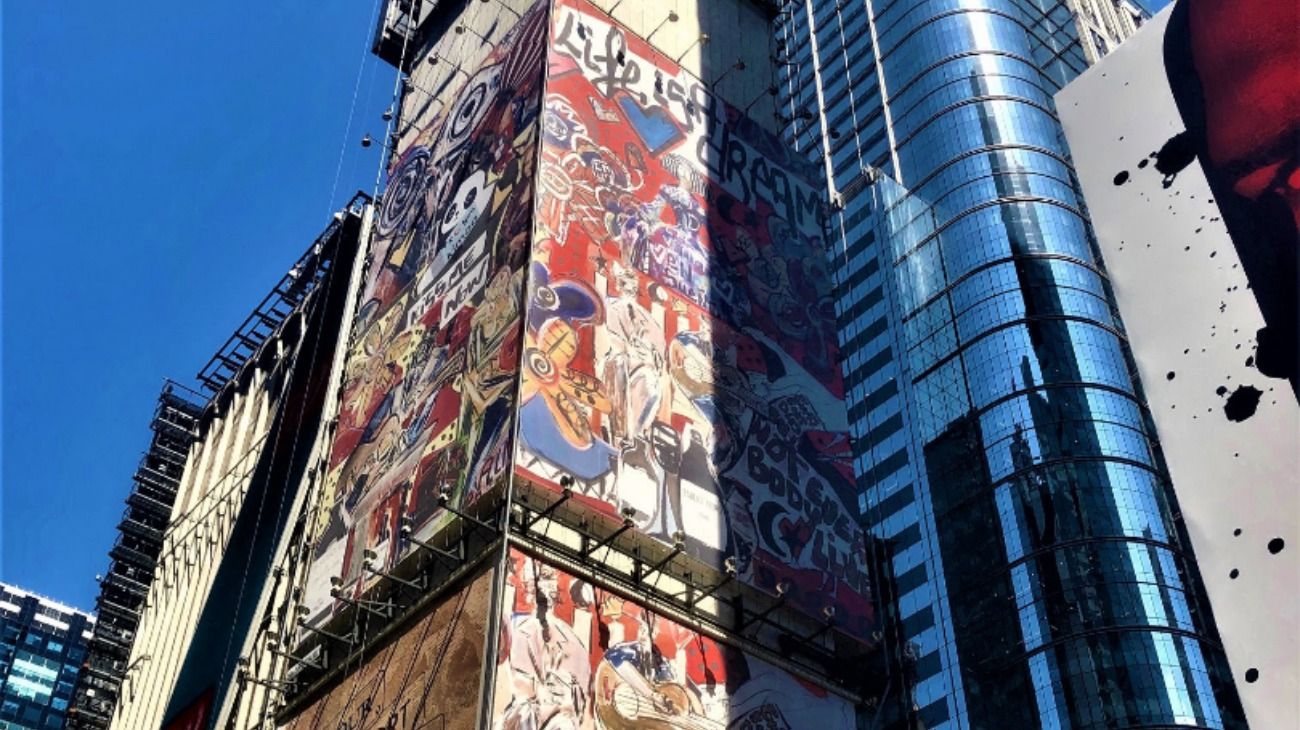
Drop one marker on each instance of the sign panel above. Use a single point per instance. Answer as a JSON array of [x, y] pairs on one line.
[[577, 657], [679, 356], [429, 677], [1182, 139], [429, 390]]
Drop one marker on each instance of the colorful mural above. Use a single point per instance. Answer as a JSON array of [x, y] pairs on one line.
[[572, 656], [429, 388], [679, 355]]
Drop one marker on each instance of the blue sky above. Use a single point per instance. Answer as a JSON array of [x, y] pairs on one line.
[[163, 166]]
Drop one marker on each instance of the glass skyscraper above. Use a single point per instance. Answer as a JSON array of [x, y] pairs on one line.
[[42, 648], [1003, 444]]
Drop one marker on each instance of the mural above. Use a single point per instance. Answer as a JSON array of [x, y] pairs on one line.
[[678, 354], [572, 657], [428, 677], [428, 392]]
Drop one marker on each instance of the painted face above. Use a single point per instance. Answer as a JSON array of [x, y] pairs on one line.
[[560, 124], [548, 583], [461, 212]]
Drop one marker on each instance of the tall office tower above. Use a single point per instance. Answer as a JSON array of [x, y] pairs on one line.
[[42, 648], [1003, 444]]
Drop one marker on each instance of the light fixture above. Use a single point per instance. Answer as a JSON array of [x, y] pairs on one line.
[[703, 39], [679, 545], [566, 493], [628, 514], [672, 18], [369, 562], [739, 65], [273, 646], [729, 574], [444, 501], [407, 531]]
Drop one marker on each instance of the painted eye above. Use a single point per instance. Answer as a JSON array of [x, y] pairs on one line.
[[546, 297]]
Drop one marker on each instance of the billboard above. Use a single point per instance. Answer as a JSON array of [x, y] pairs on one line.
[[679, 347], [428, 394], [576, 657], [1196, 226], [428, 677]]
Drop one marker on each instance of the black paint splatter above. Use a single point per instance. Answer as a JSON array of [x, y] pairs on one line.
[[1236, 532], [1169, 375], [1175, 156], [1252, 675], [1233, 575], [1122, 177], [1275, 545], [1222, 390], [1275, 355], [1242, 403], [1143, 164]]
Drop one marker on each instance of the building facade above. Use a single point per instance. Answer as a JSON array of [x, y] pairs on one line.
[[42, 648], [1003, 442], [247, 451]]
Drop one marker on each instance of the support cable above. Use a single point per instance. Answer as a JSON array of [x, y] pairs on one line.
[[352, 109]]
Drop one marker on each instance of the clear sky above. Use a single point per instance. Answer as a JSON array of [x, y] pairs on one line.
[[163, 166]]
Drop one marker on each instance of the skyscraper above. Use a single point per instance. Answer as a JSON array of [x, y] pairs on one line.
[[42, 649], [1003, 444]]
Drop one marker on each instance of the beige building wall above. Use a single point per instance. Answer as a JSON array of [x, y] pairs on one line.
[[1113, 21], [211, 495], [264, 659]]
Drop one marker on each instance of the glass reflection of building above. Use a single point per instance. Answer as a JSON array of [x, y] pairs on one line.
[[42, 647], [1003, 445]]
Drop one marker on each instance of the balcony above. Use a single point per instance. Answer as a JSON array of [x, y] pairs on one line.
[[127, 554], [122, 612], [106, 669], [156, 480], [142, 531], [145, 502], [113, 643]]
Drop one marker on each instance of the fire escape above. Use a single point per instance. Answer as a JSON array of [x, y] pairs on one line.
[[140, 538]]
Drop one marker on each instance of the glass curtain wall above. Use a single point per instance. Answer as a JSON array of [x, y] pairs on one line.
[[1004, 445]]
